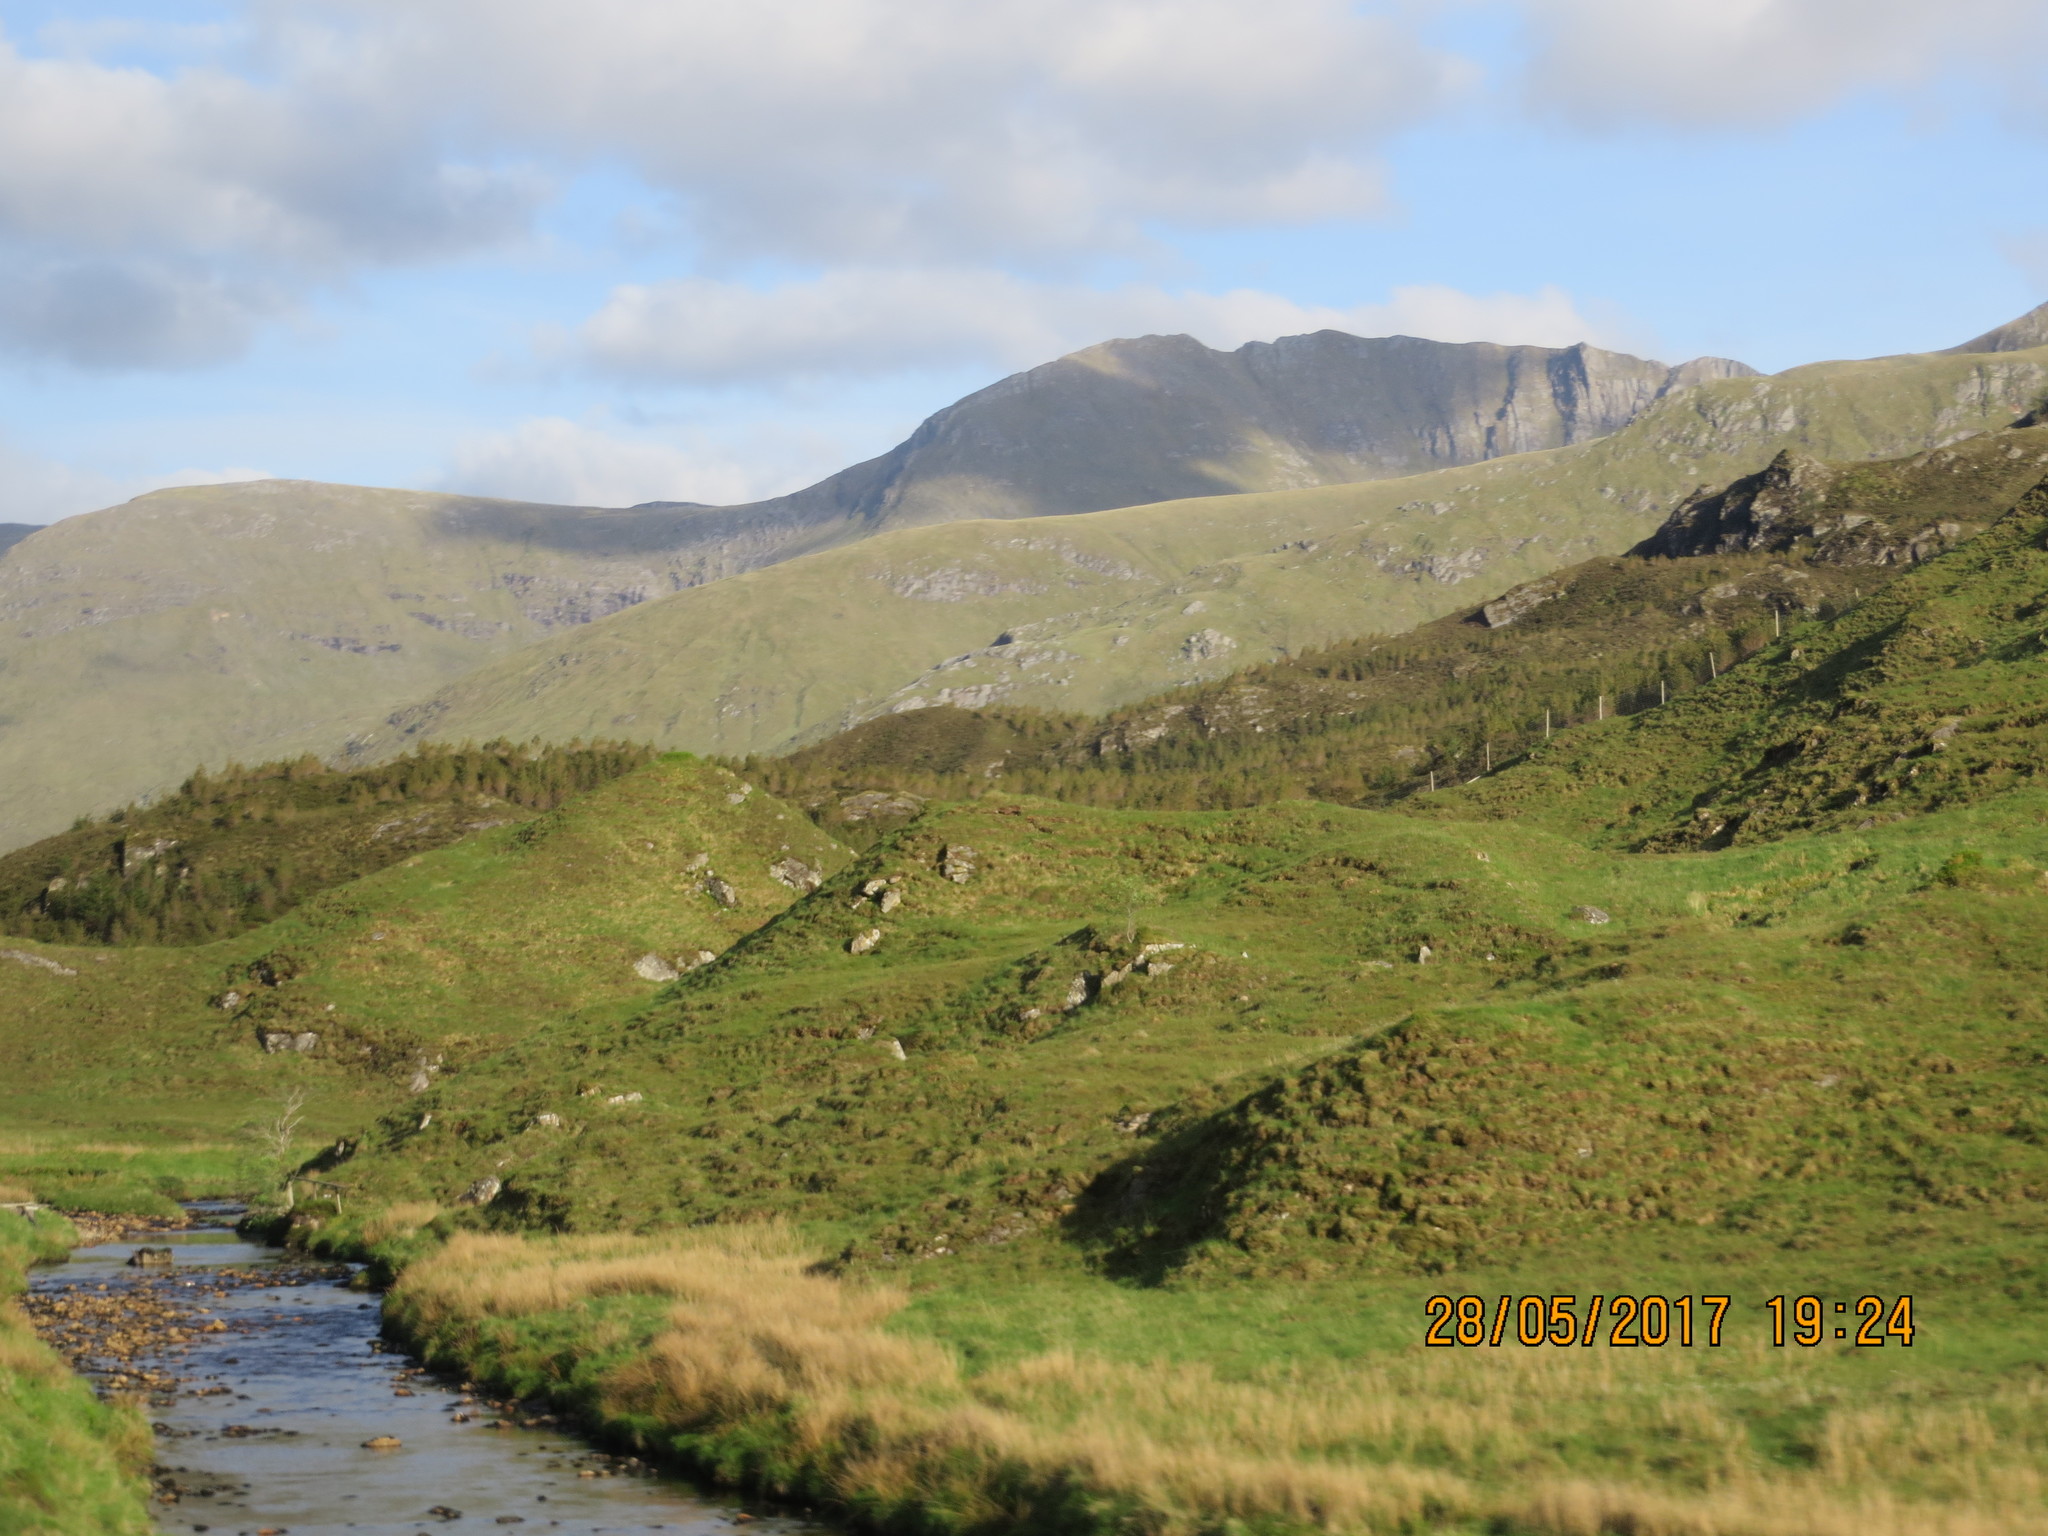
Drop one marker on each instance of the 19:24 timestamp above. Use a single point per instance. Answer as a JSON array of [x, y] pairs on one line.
[[1874, 1322]]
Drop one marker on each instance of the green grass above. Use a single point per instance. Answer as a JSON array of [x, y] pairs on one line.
[[69, 1464]]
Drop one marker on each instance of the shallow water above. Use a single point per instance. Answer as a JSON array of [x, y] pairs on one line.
[[300, 1383]]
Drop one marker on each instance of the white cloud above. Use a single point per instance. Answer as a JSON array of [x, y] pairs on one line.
[[1748, 63], [155, 221], [35, 489], [872, 321], [550, 459], [870, 130]]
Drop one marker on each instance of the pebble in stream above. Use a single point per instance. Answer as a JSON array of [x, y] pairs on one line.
[[271, 1392]]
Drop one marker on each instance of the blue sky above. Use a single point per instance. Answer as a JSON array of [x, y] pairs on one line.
[[633, 249]]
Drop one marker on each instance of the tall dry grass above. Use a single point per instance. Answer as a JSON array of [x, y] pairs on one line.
[[758, 1349]]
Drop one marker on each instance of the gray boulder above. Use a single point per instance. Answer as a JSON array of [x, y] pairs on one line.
[[654, 968], [796, 874]]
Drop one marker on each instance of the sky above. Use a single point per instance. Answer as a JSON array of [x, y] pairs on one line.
[[612, 251]]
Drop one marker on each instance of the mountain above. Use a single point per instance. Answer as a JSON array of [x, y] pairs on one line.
[[13, 533], [1083, 613], [1164, 418], [2030, 330], [249, 621], [264, 619]]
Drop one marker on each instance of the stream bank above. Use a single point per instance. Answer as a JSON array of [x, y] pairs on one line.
[[278, 1407]]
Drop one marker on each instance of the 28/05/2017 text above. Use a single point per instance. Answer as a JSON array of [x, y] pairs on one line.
[[1633, 1322]]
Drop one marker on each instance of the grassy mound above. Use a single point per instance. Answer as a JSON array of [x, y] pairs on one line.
[[231, 851]]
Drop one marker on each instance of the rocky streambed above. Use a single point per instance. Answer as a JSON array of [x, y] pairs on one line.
[[278, 1408]]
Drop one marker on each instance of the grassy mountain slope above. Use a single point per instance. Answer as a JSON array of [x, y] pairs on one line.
[[256, 621], [360, 988], [1084, 613], [14, 533], [1369, 721], [1926, 695]]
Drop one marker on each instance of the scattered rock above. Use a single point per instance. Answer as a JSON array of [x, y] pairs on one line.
[[550, 1121], [384, 1443], [46, 963], [896, 1050], [420, 1083], [230, 1000], [721, 891], [1130, 1125], [861, 943], [1077, 993], [152, 1258], [697, 861], [482, 1192], [1206, 645], [796, 874], [693, 959], [654, 968], [1591, 915], [957, 863], [739, 796], [874, 887], [443, 1512], [891, 899], [876, 802], [1423, 955], [1504, 610], [626, 1098]]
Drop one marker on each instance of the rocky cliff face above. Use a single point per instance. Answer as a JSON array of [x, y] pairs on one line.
[[1831, 515], [1162, 418]]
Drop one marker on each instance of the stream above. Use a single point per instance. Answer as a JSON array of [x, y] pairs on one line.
[[262, 1424]]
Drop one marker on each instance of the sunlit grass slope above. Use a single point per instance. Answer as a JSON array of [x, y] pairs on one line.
[[405, 971]]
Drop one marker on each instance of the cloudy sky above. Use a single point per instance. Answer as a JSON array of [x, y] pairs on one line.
[[617, 250]]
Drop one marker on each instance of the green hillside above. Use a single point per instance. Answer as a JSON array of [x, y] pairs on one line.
[[364, 987], [230, 851], [1082, 614], [1373, 720], [1924, 697]]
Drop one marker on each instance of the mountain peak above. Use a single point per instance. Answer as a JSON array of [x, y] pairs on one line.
[[2029, 330]]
